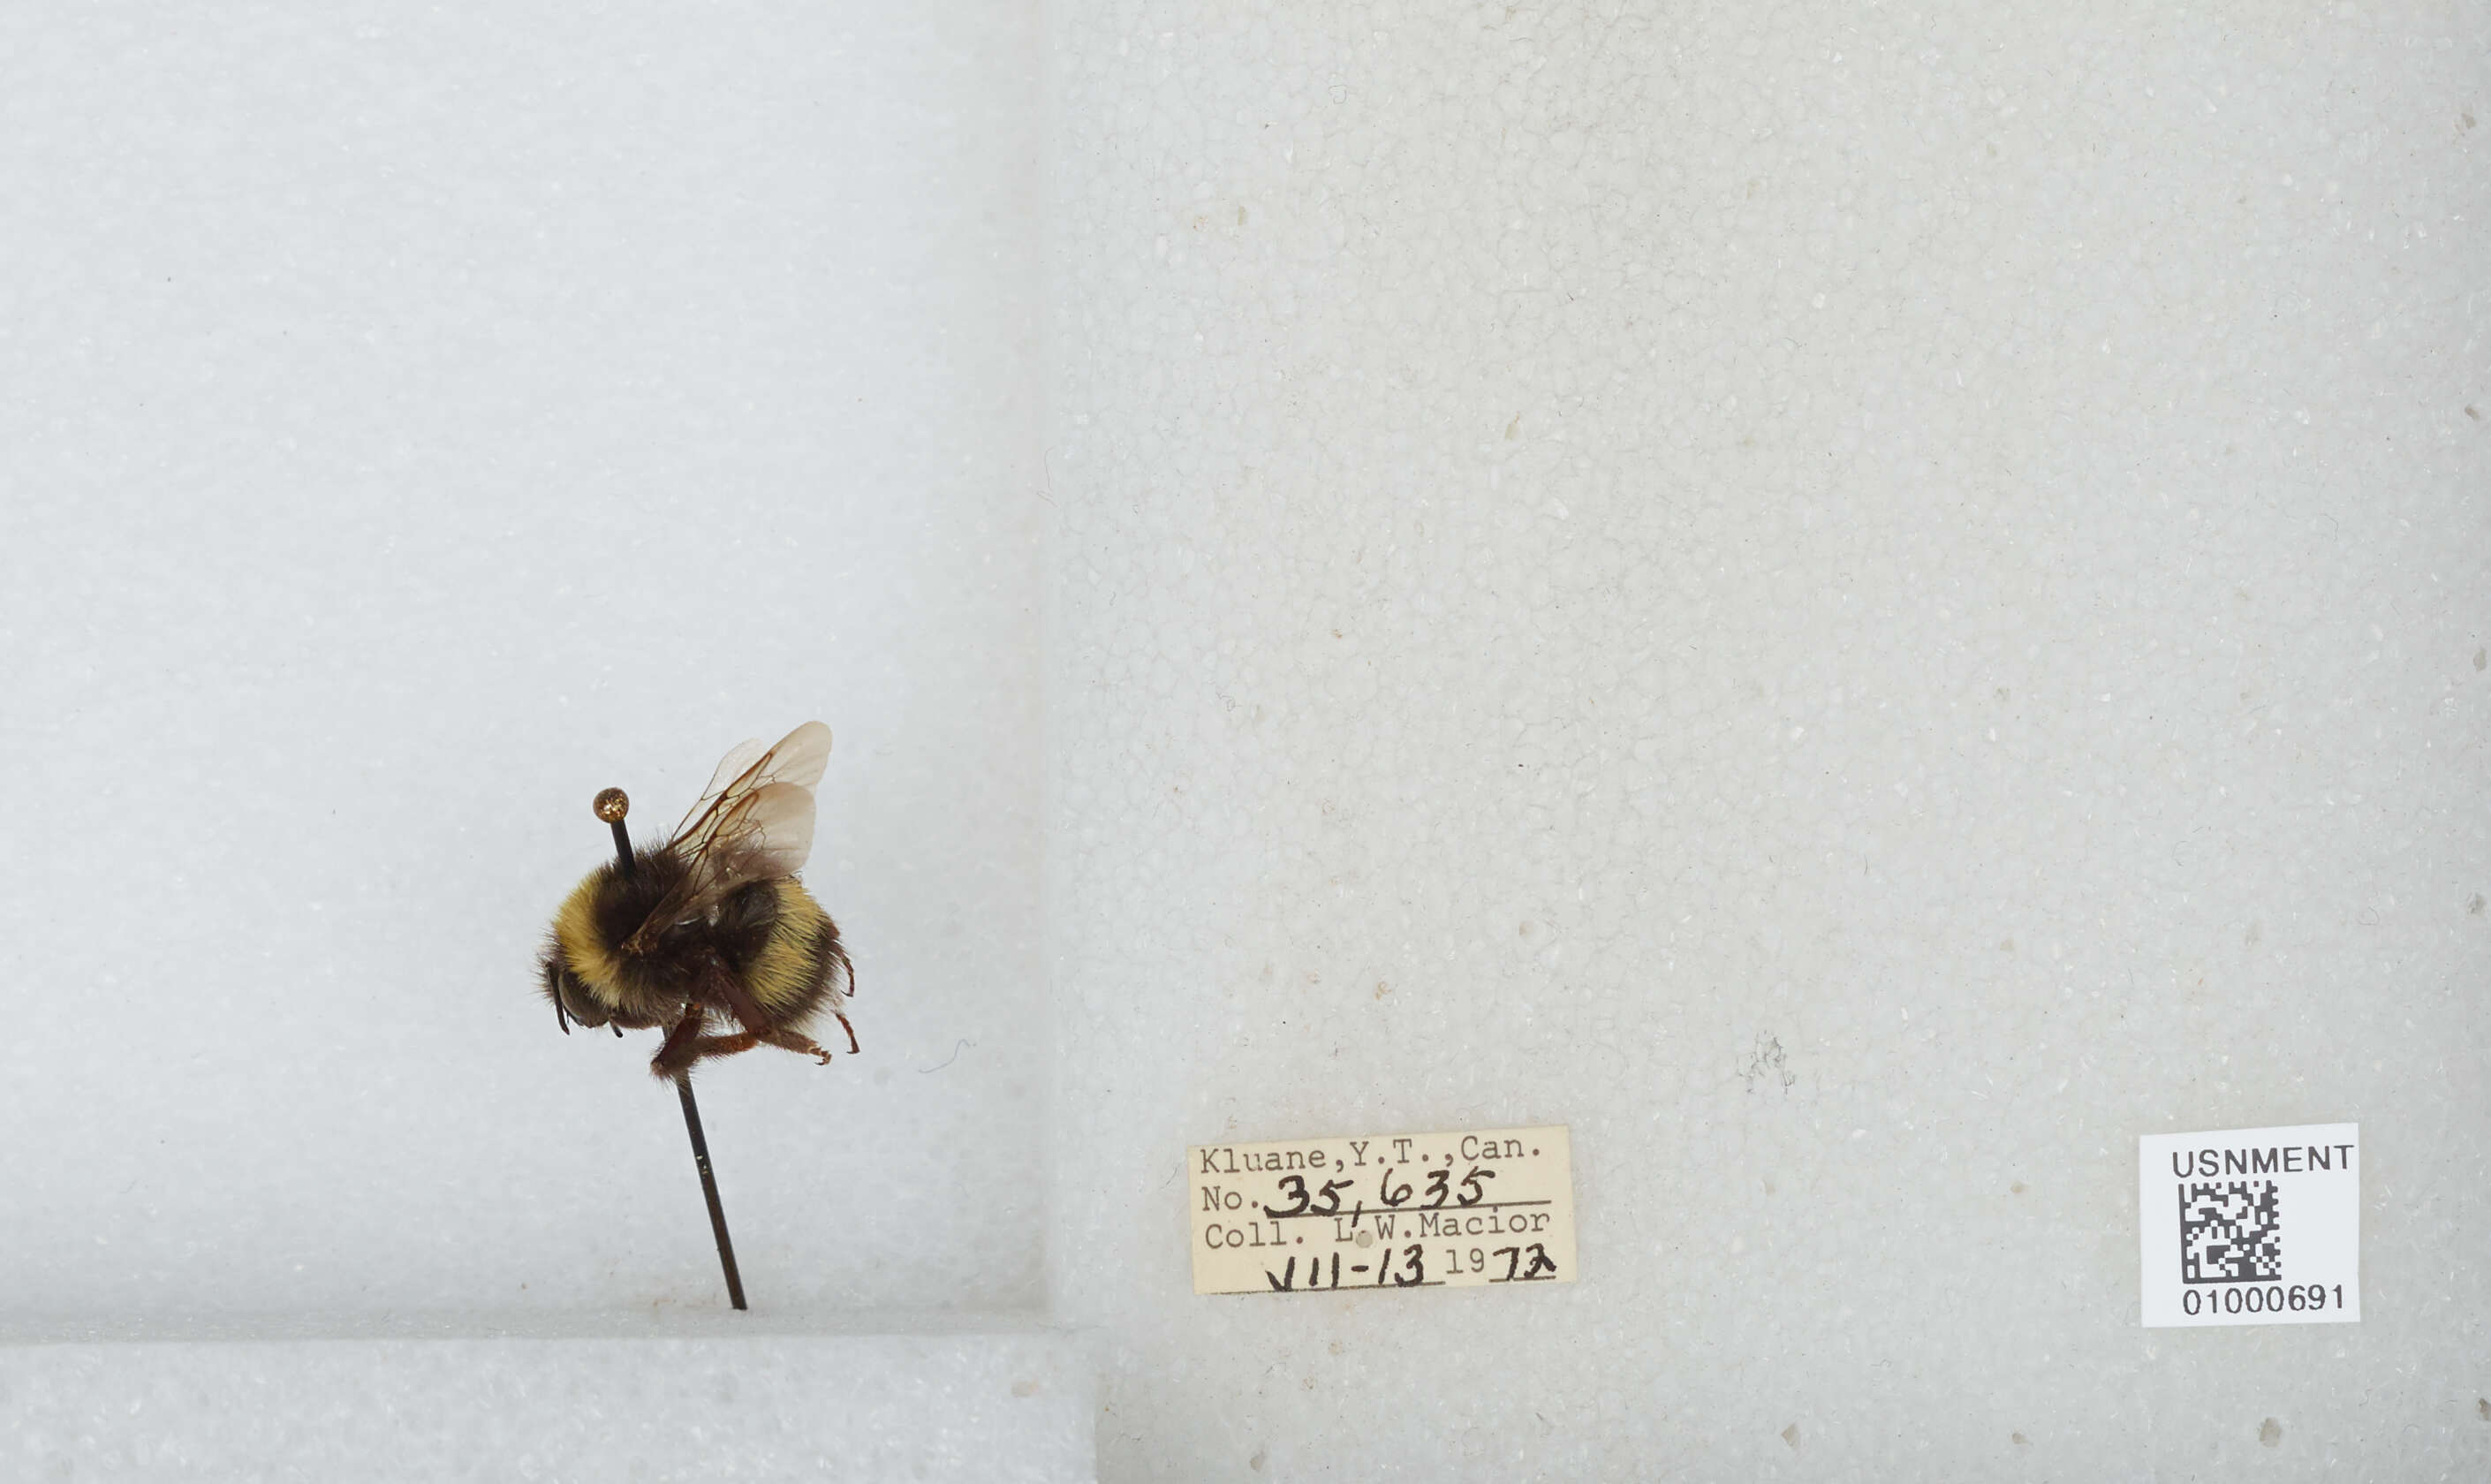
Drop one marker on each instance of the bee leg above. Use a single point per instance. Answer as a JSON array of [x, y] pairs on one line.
[[675, 1055], [793, 1041], [740, 1003], [618, 1030], [757, 1023], [851, 1030], [709, 1046]]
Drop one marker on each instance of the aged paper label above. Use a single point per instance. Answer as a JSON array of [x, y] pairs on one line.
[[1460, 1209], [2251, 1226]]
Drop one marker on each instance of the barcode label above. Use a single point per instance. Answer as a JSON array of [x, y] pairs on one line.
[[2231, 1233], [2251, 1226]]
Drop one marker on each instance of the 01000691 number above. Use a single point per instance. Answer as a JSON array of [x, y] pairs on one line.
[[2272, 1298]]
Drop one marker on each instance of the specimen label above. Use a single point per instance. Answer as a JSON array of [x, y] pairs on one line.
[[2251, 1226], [1462, 1209]]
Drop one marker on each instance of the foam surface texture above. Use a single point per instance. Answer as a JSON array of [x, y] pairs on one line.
[[1862, 603], [964, 1408]]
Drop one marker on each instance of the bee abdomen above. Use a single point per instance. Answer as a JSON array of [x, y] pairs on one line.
[[796, 971]]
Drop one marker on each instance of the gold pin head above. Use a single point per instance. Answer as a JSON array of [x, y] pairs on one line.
[[612, 804]]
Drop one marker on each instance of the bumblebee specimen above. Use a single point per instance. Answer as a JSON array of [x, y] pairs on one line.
[[712, 928]]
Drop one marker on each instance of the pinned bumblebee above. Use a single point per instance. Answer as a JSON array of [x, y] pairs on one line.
[[711, 928]]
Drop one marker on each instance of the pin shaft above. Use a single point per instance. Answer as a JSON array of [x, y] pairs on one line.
[[709, 1193]]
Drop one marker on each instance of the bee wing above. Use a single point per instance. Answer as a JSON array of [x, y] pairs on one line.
[[798, 759], [739, 760], [755, 824], [766, 832]]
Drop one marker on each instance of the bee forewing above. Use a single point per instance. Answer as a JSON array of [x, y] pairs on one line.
[[757, 834], [799, 758], [737, 761]]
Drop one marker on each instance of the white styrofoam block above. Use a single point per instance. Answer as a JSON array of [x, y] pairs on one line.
[[1861, 603], [967, 1407], [414, 418]]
